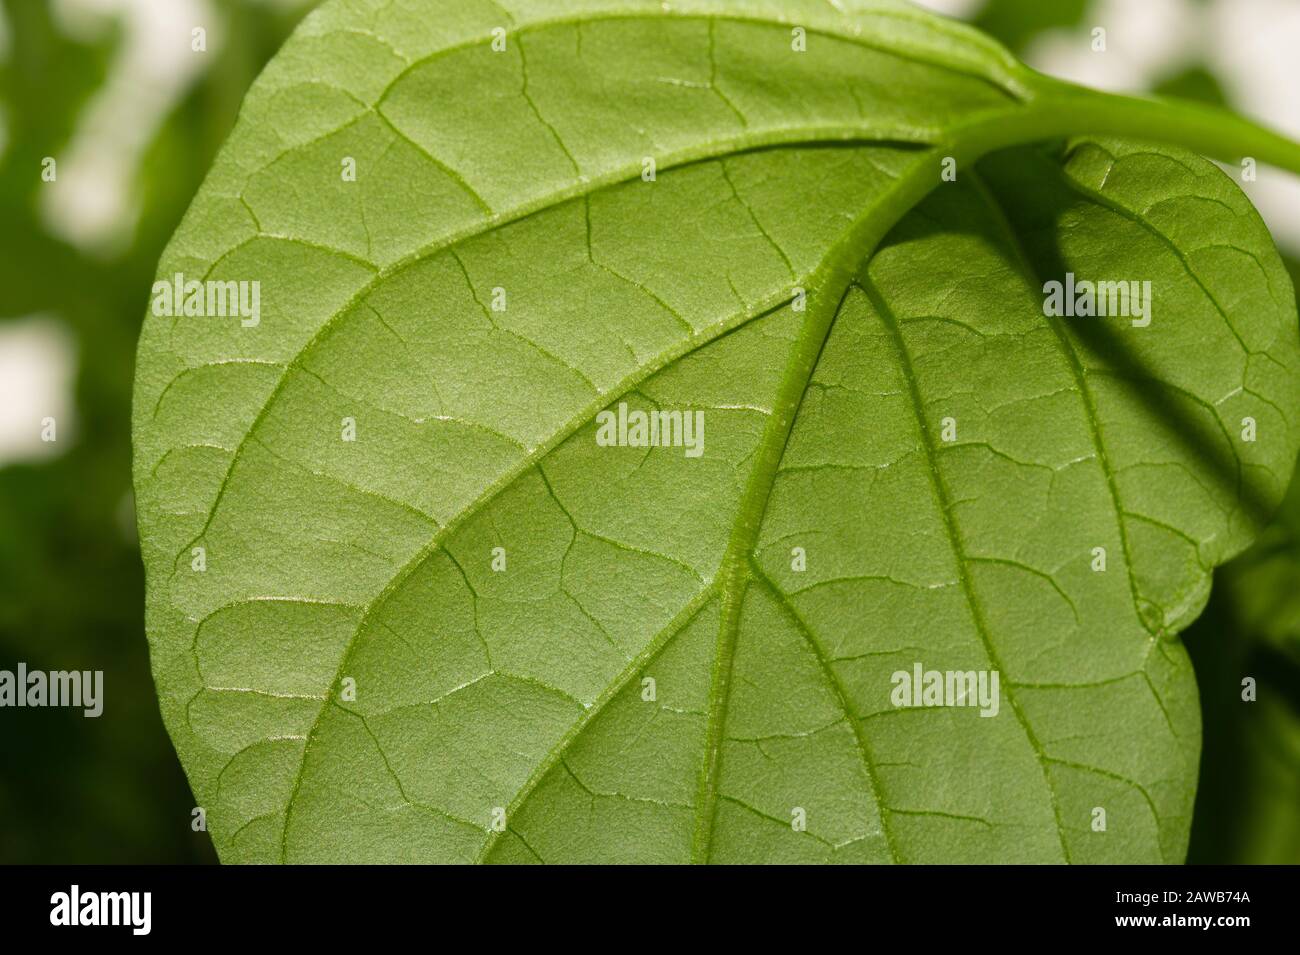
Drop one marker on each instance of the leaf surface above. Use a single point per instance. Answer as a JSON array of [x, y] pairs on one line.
[[349, 678]]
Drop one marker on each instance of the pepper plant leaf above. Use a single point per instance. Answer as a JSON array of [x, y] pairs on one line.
[[604, 430]]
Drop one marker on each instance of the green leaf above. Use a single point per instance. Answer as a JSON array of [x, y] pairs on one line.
[[476, 633]]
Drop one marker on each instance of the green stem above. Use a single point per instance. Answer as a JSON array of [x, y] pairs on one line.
[[1062, 109]]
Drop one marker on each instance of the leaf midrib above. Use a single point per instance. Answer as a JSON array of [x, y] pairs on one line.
[[867, 229], [735, 572]]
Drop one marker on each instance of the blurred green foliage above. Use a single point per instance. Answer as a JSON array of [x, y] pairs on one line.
[[71, 590], [1248, 804], [1017, 22]]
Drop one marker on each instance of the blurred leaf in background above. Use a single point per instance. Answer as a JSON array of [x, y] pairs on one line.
[[71, 586], [1248, 806], [1018, 22]]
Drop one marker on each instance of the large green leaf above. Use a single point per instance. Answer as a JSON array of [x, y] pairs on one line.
[[356, 675]]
